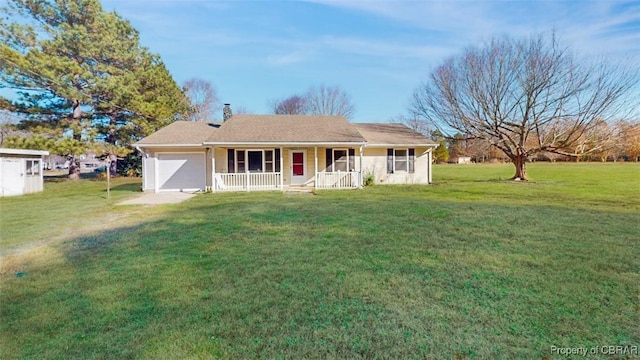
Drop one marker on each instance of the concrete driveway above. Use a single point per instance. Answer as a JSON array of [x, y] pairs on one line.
[[158, 198]]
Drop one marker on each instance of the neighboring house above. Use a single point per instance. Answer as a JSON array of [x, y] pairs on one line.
[[21, 171], [273, 152], [89, 162], [457, 159]]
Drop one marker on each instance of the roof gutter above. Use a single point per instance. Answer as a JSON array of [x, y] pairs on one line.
[[23, 152], [166, 145], [280, 143], [402, 145]]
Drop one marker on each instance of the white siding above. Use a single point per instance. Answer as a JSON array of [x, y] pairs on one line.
[[148, 173], [21, 174], [375, 161], [221, 160], [33, 181]]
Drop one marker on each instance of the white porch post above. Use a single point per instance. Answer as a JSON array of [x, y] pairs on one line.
[[429, 166], [361, 171], [213, 169], [155, 173], [281, 168], [315, 173]]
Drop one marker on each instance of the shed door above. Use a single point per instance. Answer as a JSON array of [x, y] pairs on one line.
[[12, 177], [181, 172]]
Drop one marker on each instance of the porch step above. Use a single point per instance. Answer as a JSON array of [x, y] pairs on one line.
[[295, 190]]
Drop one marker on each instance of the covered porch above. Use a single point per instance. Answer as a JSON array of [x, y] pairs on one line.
[[245, 168]]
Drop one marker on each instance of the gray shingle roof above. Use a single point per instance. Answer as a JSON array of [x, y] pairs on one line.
[[286, 129], [181, 133], [391, 134]]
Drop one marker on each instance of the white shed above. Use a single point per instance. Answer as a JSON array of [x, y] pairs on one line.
[[21, 171]]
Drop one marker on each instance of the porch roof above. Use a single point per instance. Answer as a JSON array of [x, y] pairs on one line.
[[285, 129], [387, 134]]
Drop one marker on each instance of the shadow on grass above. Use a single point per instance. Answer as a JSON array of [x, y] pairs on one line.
[[272, 276], [83, 176], [132, 187], [65, 177]]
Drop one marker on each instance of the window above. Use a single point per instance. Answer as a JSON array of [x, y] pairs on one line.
[[240, 161], [231, 160], [400, 161], [268, 161], [255, 160], [33, 167], [340, 160], [276, 155]]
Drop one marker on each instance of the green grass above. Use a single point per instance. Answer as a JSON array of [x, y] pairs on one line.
[[470, 267], [63, 207]]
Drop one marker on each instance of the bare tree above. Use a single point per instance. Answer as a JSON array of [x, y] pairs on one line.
[[412, 122], [524, 96], [329, 100], [629, 138], [292, 105], [597, 141], [606, 136], [203, 99], [239, 110]]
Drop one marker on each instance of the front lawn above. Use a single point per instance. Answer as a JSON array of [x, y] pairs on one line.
[[470, 267], [61, 209]]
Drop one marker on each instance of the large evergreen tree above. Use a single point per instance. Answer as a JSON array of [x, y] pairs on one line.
[[81, 75]]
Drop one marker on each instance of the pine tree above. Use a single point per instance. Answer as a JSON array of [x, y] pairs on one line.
[[82, 77], [441, 153]]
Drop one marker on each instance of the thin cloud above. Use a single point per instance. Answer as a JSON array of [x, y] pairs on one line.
[[287, 59], [381, 49], [590, 26]]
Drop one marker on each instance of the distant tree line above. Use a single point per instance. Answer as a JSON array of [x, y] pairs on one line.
[[618, 141]]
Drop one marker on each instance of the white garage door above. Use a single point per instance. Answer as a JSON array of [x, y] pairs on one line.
[[181, 172]]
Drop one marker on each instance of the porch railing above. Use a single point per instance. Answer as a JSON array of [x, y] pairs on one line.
[[247, 181], [338, 180]]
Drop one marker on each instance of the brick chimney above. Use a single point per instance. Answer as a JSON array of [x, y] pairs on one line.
[[226, 112]]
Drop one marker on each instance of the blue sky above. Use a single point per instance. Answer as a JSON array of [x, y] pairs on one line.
[[378, 51]]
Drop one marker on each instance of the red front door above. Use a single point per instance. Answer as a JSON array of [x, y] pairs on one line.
[[298, 167]]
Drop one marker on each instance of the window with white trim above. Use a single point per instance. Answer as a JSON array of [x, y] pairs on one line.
[[340, 160], [253, 160], [400, 161], [33, 167]]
